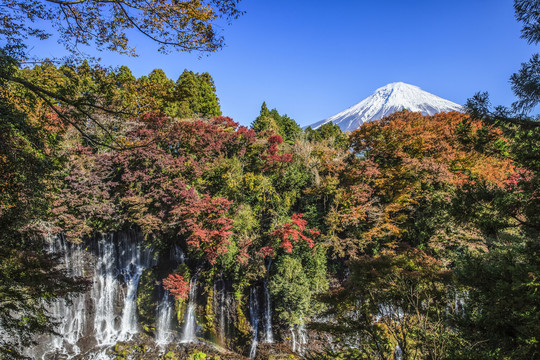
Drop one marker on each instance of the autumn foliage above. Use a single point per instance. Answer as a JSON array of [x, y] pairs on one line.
[[177, 286], [407, 164], [392, 211], [293, 231], [210, 229]]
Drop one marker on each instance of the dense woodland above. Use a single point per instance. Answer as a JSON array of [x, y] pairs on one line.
[[416, 231]]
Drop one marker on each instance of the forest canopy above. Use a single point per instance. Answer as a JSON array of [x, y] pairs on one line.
[[412, 237], [411, 204]]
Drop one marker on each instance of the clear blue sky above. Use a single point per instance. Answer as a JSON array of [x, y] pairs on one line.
[[312, 59]]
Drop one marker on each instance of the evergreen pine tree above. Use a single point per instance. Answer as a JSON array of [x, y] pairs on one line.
[[264, 121], [196, 94], [526, 82], [281, 124], [208, 100]]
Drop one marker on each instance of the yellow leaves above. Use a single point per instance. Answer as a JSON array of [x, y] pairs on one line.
[[259, 185], [175, 25], [126, 142], [232, 181], [386, 231], [402, 201]]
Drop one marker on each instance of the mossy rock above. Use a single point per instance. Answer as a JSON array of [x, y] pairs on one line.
[[243, 328], [209, 316], [199, 355], [180, 307], [147, 300], [242, 324], [171, 356], [183, 270], [123, 351]]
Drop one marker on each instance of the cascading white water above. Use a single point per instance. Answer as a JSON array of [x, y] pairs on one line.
[[165, 307], [254, 316], [218, 302], [302, 338], [177, 255], [222, 310], [70, 316], [398, 353], [189, 333], [293, 338], [268, 335], [108, 312], [126, 259], [103, 292], [220, 306], [164, 334], [133, 261], [298, 338]]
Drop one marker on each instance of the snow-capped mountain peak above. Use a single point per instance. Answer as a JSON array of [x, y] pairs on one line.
[[386, 100]]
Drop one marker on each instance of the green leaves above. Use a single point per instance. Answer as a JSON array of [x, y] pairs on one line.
[[271, 120], [503, 300]]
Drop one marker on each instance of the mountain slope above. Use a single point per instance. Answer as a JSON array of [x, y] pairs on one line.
[[386, 100]]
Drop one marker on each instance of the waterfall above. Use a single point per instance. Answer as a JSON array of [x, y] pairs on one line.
[[190, 323], [165, 306], [121, 259], [254, 316], [108, 312], [177, 255], [302, 338], [165, 312], [132, 263], [218, 303], [221, 306], [268, 336], [298, 338], [103, 292], [71, 316]]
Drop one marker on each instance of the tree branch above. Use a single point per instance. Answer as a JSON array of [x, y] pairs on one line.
[[159, 41], [75, 2]]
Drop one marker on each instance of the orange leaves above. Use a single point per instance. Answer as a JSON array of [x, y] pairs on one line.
[[415, 162], [182, 25], [444, 148], [355, 203]]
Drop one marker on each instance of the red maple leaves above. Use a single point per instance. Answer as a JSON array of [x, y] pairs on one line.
[[294, 230], [272, 157], [177, 286], [209, 227]]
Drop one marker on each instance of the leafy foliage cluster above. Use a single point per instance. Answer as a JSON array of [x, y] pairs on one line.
[[106, 24], [415, 236], [177, 286], [271, 120], [382, 234]]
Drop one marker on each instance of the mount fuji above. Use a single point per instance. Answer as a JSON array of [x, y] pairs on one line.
[[387, 100]]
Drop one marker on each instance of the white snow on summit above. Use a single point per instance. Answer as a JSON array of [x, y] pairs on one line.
[[387, 100]]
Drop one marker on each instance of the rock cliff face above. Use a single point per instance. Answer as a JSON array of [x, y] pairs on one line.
[[387, 100], [126, 313]]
